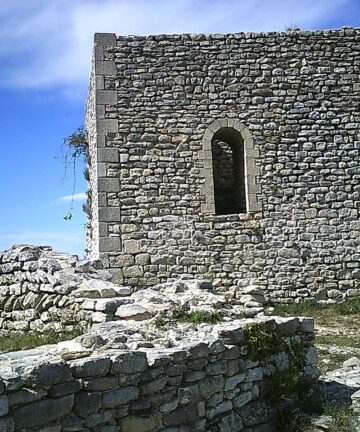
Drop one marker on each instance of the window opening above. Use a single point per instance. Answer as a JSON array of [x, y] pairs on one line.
[[228, 172]]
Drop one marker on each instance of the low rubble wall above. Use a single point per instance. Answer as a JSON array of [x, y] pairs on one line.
[[37, 288], [222, 384], [43, 290]]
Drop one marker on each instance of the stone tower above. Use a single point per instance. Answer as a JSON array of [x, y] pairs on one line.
[[230, 156]]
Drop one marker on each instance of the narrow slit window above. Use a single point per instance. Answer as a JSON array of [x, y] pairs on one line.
[[229, 172]]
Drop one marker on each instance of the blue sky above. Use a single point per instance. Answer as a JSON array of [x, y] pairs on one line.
[[45, 55]]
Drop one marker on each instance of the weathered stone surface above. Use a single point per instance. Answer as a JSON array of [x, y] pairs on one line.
[[120, 396], [25, 395], [128, 363], [6, 424], [134, 312], [231, 423], [301, 160], [49, 374], [140, 424], [4, 405], [90, 367], [41, 412], [87, 403], [189, 386]]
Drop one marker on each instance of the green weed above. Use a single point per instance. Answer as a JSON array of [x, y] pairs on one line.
[[29, 340]]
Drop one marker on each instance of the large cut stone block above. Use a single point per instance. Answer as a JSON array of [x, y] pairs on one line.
[[42, 412]]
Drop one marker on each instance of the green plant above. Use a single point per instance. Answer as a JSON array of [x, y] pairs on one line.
[[159, 322], [310, 307], [73, 149], [199, 316], [258, 231], [288, 389], [31, 339], [343, 418], [260, 342]]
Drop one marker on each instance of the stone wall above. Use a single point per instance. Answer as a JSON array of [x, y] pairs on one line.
[[92, 233], [293, 97], [219, 384], [42, 290]]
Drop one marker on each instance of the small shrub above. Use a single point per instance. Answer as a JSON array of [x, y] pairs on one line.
[[260, 343], [199, 316]]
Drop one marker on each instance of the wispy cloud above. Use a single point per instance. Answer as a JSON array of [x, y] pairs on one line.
[[81, 196], [64, 241], [48, 43]]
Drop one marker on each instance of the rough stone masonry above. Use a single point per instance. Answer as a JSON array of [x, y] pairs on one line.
[[281, 109]]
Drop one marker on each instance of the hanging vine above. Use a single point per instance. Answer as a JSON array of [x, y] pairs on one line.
[[73, 149]]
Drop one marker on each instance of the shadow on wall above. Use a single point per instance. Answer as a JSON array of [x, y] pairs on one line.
[[228, 172]]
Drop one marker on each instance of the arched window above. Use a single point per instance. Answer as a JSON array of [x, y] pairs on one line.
[[230, 173]]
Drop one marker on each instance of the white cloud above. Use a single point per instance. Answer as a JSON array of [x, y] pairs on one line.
[[81, 196], [48, 43], [63, 241]]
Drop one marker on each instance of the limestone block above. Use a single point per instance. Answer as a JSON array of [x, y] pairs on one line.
[[255, 374], [177, 417], [133, 272], [131, 246], [108, 155], [233, 381], [219, 409], [242, 399], [87, 403], [90, 367], [231, 423], [4, 405], [114, 398], [140, 424], [134, 312], [211, 385], [106, 68], [6, 424], [129, 363], [108, 184], [41, 412], [25, 395], [64, 389]]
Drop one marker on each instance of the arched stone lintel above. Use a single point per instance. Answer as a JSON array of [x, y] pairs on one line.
[[251, 170]]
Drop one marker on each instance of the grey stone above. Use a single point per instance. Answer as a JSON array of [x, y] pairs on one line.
[[41, 412], [4, 405], [6, 424], [242, 399], [231, 423], [90, 367], [25, 395], [140, 424], [128, 363], [114, 398], [64, 389], [87, 403]]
